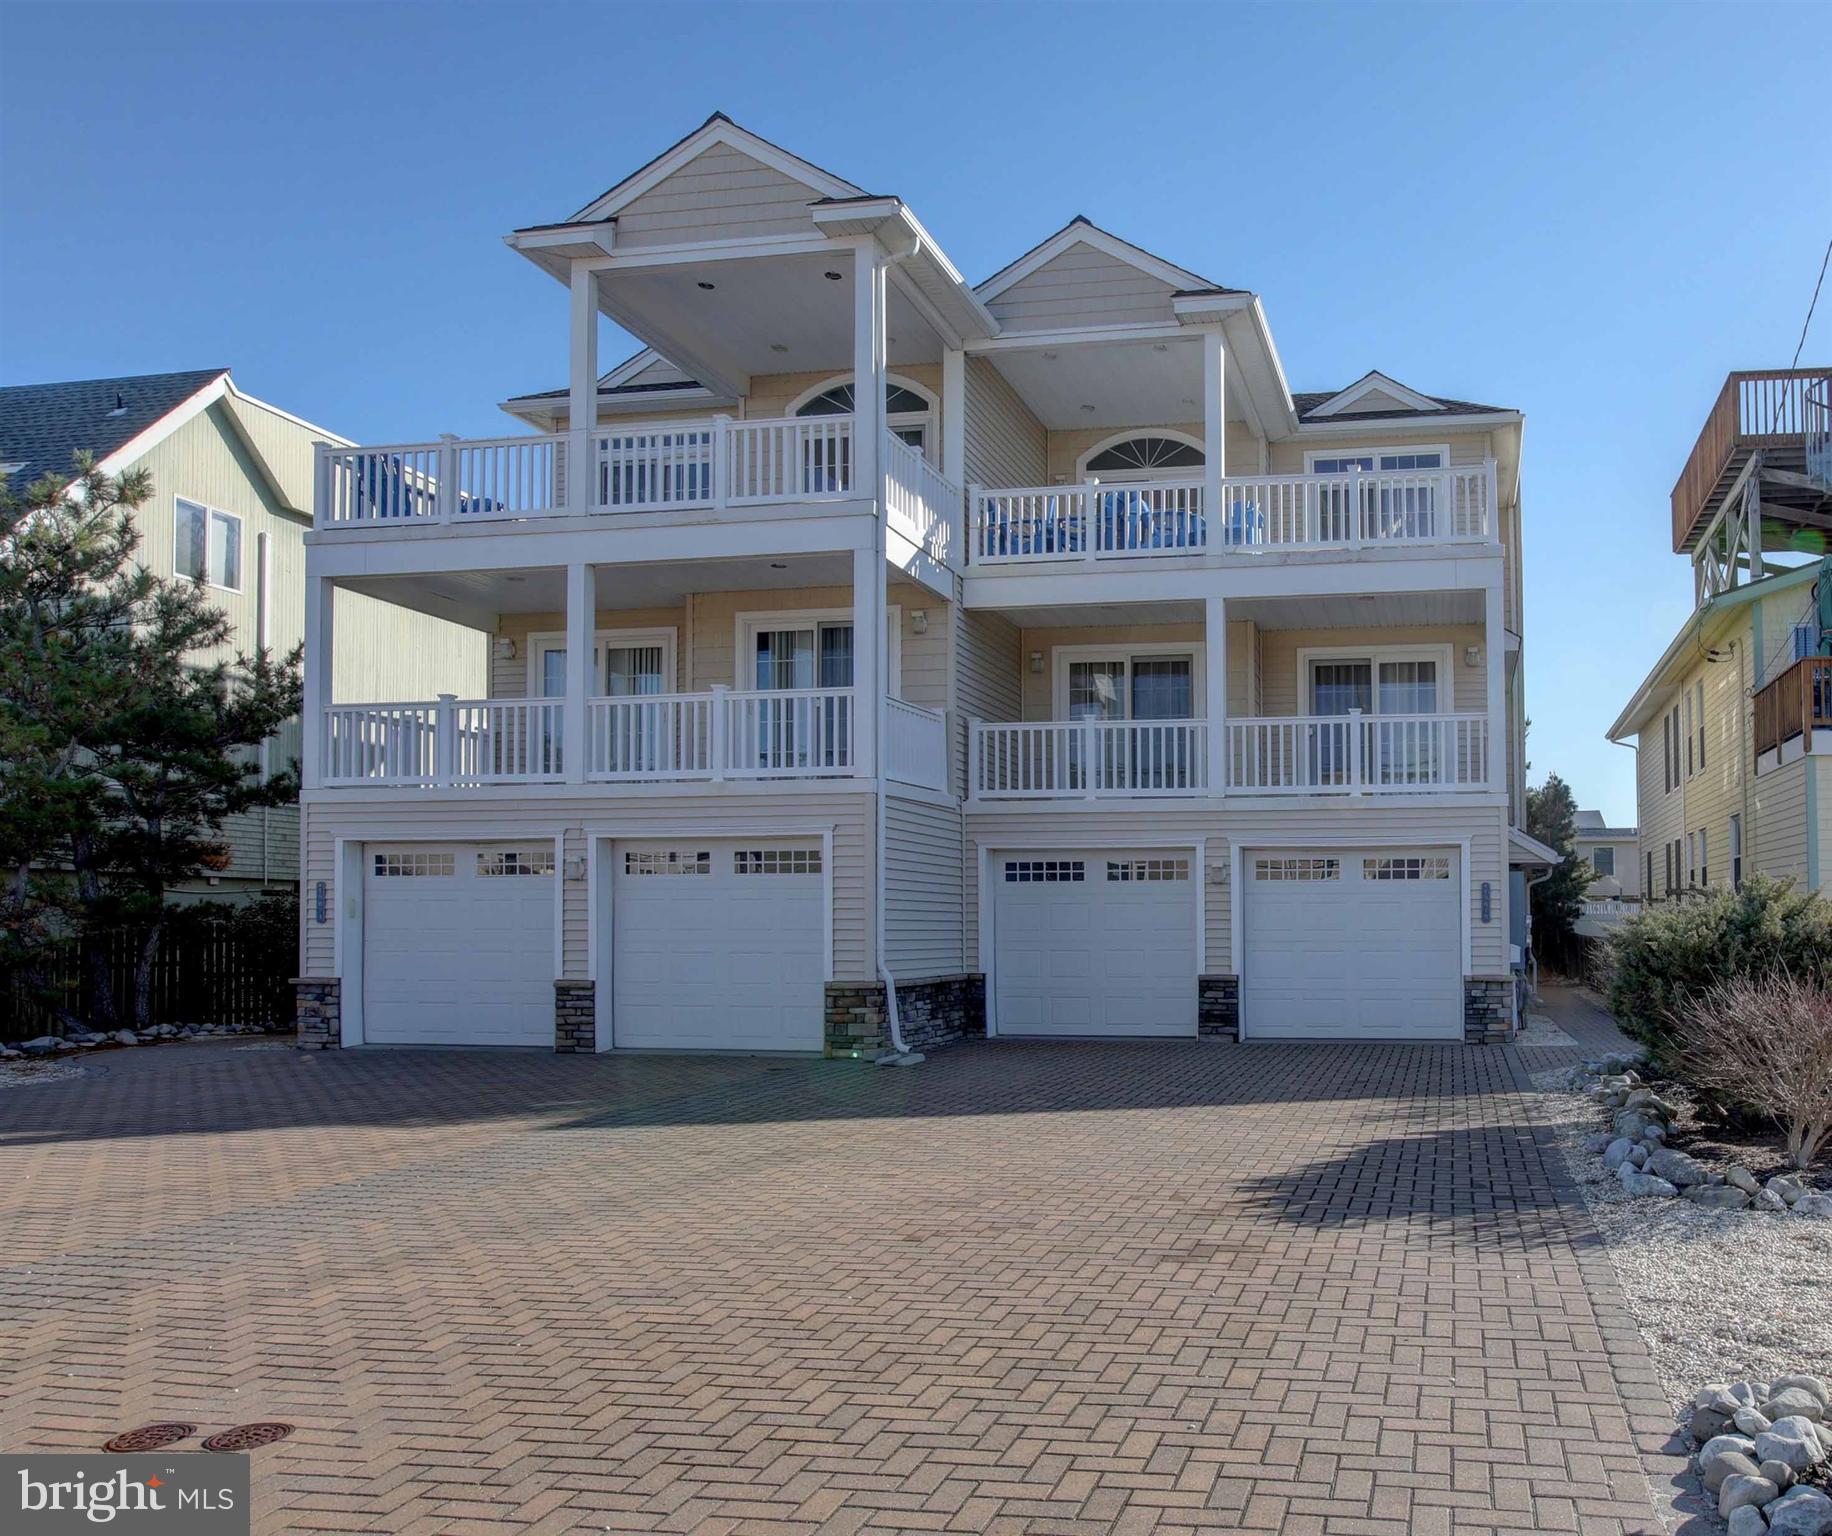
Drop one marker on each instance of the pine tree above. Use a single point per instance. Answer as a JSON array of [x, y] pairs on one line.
[[1557, 901], [126, 738]]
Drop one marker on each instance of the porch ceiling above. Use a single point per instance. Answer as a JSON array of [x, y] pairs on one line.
[[1103, 615], [1122, 384], [1383, 610], [774, 314]]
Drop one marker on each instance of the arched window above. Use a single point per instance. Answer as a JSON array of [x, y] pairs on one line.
[[1142, 456], [907, 412]]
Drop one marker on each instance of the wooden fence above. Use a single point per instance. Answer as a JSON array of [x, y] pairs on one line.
[[204, 973]]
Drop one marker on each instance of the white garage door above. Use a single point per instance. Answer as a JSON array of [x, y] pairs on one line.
[[1352, 945], [1095, 942], [458, 944], [718, 945]]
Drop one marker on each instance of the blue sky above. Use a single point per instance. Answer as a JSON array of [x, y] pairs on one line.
[[1588, 212]]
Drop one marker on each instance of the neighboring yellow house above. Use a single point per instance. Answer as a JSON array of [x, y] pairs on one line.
[[1734, 724], [231, 504]]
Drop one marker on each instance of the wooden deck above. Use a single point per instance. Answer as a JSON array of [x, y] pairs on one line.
[[1771, 410]]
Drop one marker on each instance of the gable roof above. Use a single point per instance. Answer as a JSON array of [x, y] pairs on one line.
[[1081, 230], [43, 426], [1337, 405], [717, 129]]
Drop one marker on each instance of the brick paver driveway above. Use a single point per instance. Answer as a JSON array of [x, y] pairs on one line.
[[1045, 1287]]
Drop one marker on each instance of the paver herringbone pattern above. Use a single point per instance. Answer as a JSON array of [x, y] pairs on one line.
[[1042, 1288]]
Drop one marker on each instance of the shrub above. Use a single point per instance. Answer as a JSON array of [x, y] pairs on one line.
[[1655, 965], [1764, 1044]]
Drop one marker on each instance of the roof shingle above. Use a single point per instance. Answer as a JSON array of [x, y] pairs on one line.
[[44, 426]]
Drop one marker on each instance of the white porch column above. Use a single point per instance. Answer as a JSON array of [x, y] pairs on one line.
[[870, 683], [954, 414], [316, 684], [581, 625], [1214, 425], [582, 393], [868, 367], [1495, 657], [1215, 689]]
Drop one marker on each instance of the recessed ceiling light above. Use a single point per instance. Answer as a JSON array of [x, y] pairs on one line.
[[1189, 400], [707, 286], [778, 565], [777, 346], [1159, 346], [1087, 408], [515, 578], [832, 277], [1049, 357]]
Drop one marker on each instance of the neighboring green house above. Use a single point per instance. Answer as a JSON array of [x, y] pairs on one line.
[[231, 506]]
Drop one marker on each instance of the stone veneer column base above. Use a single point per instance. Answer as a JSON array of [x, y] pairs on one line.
[[1486, 1009], [575, 1016], [933, 1012], [1218, 1007], [318, 1012]]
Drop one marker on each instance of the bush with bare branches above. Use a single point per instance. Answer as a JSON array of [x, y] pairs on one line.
[[1764, 1043]]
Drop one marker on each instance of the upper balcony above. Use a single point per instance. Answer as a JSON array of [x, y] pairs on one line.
[[1766, 450], [1343, 510]]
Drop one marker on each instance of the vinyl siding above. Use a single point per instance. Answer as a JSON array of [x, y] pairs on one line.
[[772, 394], [1004, 444], [1083, 286], [1783, 840], [720, 194], [1113, 825], [740, 812], [1288, 454], [924, 906], [382, 652]]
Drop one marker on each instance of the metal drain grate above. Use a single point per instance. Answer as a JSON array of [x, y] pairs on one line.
[[248, 1437], [150, 1437]]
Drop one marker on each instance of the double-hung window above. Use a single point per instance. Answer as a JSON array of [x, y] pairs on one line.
[[1603, 862], [209, 545], [1391, 508]]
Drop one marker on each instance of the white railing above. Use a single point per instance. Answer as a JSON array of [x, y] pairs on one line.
[[1258, 514], [646, 467], [915, 745], [1088, 759], [788, 733], [447, 741], [920, 502], [505, 477], [1816, 413], [1610, 910], [1357, 754]]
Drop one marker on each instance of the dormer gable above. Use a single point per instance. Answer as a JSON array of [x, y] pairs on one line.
[[1374, 391]]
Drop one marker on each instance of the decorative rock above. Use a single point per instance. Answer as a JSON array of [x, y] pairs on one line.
[[1707, 1424], [44, 1045], [1790, 1190], [1724, 1466], [1792, 1401], [1747, 1521], [1640, 1185], [1813, 1384], [1616, 1151], [1742, 1178], [1768, 1200], [1632, 1122], [1818, 1206], [1791, 1440], [1601, 1142], [1676, 1167], [1742, 1490], [1654, 1136], [1751, 1422], [1801, 1512], [1778, 1472], [1717, 1197]]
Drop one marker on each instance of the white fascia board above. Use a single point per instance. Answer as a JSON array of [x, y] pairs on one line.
[[1370, 381], [1196, 308], [298, 421], [151, 436], [1038, 341], [602, 236], [717, 130], [1277, 416], [1436, 421]]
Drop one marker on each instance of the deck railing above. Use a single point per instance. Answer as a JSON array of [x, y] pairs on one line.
[[648, 467], [1797, 703], [1754, 408], [721, 734], [1088, 759], [1258, 514], [1357, 754], [445, 741], [920, 502]]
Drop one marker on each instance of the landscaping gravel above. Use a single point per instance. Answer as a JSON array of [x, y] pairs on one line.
[[20, 1074], [1719, 1295]]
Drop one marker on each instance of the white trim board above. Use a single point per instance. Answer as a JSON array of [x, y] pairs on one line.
[[1311, 455], [1080, 232]]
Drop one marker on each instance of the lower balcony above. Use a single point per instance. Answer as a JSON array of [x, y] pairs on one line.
[[1793, 713], [1293, 755], [715, 736]]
